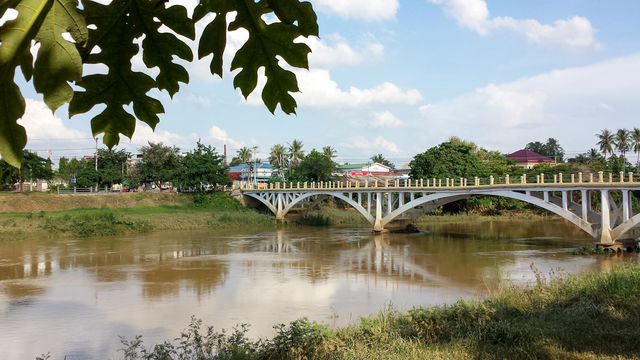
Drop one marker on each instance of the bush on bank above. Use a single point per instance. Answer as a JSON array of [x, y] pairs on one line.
[[590, 316]]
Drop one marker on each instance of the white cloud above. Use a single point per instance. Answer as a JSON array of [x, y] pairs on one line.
[[570, 105], [385, 119], [334, 50], [42, 124], [318, 90], [144, 134], [383, 144], [359, 9], [220, 136], [573, 32], [379, 144]]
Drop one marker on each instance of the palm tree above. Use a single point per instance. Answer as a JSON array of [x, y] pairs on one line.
[[244, 154], [605, 142], [295, 152], [592, 154], [378, 158], [635, 143], [329, 152], [622, 143], [278, 155]]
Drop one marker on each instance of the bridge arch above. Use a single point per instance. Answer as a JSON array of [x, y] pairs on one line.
[[445, 198]]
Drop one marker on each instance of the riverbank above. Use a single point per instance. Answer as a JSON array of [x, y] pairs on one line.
[[123, 214], [591, 316], [44, 214]]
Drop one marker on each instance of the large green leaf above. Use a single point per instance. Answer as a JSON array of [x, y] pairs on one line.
[[58, 60], [266, 42], [117, 26], [15, 41]]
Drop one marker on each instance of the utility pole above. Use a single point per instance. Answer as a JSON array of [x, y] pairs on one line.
[[96, 154], [255, 164]]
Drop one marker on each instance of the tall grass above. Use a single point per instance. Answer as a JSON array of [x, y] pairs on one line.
[[592, 316]]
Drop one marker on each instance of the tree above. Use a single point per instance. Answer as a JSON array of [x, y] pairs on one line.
[[200, 168], [635, 143], [116, 30], [605, 142], [378, 158], [315, 167], [551, 149], [295, 152], [111, 166], [447, 160], [622, 141], [244, 155], [329, 152], [33, 168], [278, 156], [159, 162]]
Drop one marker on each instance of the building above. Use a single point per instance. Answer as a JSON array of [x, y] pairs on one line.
[[247, 173], [528, 159], [367, 173]]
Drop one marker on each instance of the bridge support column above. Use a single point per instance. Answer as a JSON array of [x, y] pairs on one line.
[[377, 225], [565, 200], [585, 204], [280, 212], [625, 205], [605, 218]]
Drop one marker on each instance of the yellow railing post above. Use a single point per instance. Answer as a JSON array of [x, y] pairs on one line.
[[630, 177], [621, 176], [491, 180], [580, 177]]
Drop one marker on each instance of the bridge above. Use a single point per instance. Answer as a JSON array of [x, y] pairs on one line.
[[381, 203]]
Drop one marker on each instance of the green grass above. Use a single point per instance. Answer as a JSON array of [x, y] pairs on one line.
[[593, 316]]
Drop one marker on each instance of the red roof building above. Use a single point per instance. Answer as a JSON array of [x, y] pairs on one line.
[[528, 159]]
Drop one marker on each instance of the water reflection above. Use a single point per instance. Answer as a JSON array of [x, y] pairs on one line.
[[76, 296]]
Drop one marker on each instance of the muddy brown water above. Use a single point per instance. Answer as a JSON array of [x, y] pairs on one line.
[[74, 297]]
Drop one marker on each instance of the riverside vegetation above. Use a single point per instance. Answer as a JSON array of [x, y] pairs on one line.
[[590, 316]]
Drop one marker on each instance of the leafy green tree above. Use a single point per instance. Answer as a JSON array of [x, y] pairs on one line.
[[551, 149], [116, 30], [605, 142], [111, 166], [200, 168], [295, 152], [86, 175], [33, 168], [378, 158], [315, 167], [622, 140], [159, 162], [447, 160]]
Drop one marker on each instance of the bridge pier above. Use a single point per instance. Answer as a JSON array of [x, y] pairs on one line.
[[377, 225], [605, 218]]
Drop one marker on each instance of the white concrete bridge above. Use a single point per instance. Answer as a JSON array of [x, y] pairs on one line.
[[568, 196]]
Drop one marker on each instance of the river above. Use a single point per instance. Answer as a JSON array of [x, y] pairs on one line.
[[74, 297]]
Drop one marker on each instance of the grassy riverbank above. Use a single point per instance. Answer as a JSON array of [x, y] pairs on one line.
[[163, 212], [593, 316]]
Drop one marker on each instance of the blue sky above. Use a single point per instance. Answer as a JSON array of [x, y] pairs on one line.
[[399, 76]]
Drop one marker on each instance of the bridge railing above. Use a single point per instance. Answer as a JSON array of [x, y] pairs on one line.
[[436, 183]]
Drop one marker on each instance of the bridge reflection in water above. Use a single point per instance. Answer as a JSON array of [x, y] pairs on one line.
[[569, 198]]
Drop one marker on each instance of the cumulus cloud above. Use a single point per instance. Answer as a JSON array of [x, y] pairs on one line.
[[573, 32], [220, 137], [42, 124], [144, 134], [334, 50], [318, 90], [379, 144], [385, 119], [359, 9], [570, 104]]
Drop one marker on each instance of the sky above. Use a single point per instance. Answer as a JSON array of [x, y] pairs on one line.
[[397, 77]]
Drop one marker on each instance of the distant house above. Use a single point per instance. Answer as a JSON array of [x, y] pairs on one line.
[[248, 172], [367, 173], [528, 159], [363, 169]]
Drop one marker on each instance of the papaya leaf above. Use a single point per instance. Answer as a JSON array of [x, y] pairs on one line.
[[15, 41], [290, 11], [117, 25], [58, 60], [13, 137], [266, 43]]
